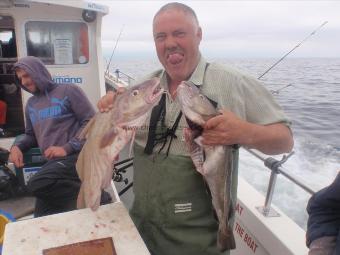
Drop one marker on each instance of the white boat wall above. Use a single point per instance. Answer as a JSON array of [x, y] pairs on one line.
[[66, 35], [263, 235]]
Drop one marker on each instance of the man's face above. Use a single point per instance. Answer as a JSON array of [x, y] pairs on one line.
[[26, 80], [177, 37]]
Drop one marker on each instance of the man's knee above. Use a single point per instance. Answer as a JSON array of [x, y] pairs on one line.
[[38, 183]]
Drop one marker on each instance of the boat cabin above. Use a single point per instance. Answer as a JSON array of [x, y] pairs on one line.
[[65, 35]]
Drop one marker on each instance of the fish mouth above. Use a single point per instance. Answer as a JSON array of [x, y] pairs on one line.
[[156, 92], [186, 92], [196, 128]]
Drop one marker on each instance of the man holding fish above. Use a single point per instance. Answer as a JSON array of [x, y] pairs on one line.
[[179, 156]]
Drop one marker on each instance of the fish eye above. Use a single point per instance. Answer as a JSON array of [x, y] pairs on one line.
[[135, 92]]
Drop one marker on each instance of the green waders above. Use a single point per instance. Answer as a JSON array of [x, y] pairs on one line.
[[172, 209]]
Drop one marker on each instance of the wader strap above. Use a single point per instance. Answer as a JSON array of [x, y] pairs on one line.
[[172, 133], [156, 113]]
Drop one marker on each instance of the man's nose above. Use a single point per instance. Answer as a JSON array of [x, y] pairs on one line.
[[170, 42], [24, 81]]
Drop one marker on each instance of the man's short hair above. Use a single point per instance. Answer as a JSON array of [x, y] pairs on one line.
[[177, 6]]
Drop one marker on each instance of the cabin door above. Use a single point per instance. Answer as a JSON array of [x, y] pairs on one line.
[[11, 107]]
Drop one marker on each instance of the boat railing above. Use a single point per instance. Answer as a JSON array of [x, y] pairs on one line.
[[123, 76], [276, 168]]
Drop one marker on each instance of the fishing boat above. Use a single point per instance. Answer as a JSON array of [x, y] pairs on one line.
[[66, 36]]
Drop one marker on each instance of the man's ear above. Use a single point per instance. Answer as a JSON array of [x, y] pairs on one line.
[[199, 33]]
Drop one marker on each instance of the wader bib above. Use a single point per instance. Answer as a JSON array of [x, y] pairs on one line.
[[172, 208]]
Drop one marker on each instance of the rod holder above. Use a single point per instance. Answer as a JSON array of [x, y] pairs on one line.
[[266, 210]]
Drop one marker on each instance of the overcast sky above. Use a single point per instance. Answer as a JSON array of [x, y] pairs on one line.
[[231, 29]]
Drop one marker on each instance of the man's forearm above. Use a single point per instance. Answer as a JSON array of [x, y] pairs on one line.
[[270, 139]]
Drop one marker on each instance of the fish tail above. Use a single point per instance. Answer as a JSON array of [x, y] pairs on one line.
[[225, 239]]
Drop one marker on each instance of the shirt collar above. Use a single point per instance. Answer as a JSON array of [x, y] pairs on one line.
[[196, 77]]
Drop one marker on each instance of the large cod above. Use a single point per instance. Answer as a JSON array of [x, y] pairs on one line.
[[107, 134], [215, 163]]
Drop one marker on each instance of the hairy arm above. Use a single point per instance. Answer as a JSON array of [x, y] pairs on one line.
[[228, 129]]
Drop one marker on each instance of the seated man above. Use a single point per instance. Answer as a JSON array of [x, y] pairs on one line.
[[55, 115], [323, 228]]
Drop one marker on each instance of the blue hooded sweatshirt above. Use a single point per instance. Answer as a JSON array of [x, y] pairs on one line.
[[55, 114]]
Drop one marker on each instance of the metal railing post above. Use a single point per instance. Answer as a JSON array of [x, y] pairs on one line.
[[276, 168], [266, 209]]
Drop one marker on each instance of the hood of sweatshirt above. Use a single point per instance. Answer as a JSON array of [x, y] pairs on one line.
[[38, 73]]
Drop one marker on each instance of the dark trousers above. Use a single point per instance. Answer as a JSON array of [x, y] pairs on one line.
[[55, 186]]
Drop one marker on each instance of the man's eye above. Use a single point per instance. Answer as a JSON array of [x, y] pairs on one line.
[[180, 34], [160, 37]]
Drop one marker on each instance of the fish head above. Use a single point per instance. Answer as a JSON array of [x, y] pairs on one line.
[[195, 106], [138, 100]]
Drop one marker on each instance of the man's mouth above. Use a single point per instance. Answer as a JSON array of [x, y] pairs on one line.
[[175, 58]]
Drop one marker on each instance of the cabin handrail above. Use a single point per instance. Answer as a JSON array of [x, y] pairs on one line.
[[276, 168]]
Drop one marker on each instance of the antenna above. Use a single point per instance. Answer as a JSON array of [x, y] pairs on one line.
[[108, 65]]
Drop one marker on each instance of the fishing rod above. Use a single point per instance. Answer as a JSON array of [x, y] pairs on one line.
[[108, 65], [299, 44], [275, 92]]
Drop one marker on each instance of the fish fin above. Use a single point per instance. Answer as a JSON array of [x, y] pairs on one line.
[[80, 198], [87, 128], [108, 138], [131, 143], [96, 204], [198, 140], [195, 150], [225, 238]]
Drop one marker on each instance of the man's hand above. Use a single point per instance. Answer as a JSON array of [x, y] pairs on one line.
[[16, 157], [54, 152], [106, 102], [228, 129], [224, 129]]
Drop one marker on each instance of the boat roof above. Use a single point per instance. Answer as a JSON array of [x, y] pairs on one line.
[[87, 5]]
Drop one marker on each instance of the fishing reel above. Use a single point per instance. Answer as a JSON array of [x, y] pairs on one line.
[[119, 171]]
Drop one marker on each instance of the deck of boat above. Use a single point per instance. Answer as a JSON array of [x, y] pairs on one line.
[[18, 207]]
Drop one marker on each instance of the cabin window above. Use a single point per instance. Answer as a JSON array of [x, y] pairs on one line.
[[8, 48], [58, 43]]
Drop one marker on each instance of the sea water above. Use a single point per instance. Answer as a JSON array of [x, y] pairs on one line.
[[311, 101]]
